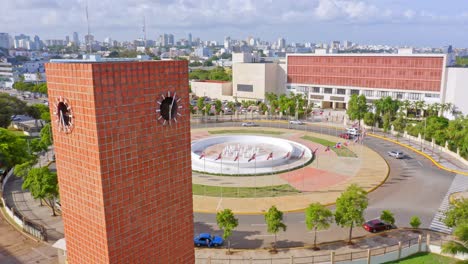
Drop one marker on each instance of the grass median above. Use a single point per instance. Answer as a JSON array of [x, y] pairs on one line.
[[244, 192], [341, 152], [245, 131], [425, 258]]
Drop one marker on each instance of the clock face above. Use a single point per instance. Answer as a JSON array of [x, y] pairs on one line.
[[167, 108], [63, 115]]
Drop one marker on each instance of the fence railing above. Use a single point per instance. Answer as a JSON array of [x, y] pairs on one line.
[[36, 230], [375, 255]]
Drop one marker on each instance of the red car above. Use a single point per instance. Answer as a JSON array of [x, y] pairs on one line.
[[376, 225], [344, 135]]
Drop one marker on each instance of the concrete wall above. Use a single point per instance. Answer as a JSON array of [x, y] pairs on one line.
[[457, 88], [218, 90], [264, 77]]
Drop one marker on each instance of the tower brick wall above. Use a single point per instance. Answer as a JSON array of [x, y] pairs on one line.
[[124, 178]]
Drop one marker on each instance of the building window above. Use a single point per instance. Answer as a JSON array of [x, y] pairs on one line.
[[398, 95], [368, 93], [415, 96], [430, 95], [340, 91], [316, 89], [354, 92], [245, 88], [383, 93], [328, 90]]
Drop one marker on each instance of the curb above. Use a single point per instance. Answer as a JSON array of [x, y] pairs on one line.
[[420, 153], [16, 227]]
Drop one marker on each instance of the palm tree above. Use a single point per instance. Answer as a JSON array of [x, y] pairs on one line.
[[419, 106], [434, 109], [405, 105], [446, 107], [460, 243]]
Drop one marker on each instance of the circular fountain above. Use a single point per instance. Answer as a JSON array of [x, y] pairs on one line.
[[247, 155]]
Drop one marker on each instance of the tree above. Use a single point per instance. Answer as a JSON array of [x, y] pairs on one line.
[[387, 217], [318, 217], [274, 221], [457, 213], [13, 149], [218, 106], [460, 243], [10, 106], [415, 222], [43, 184], [350, 208], [200, 103], [357, 107], [369, 119], [227, 222], [399, 123]]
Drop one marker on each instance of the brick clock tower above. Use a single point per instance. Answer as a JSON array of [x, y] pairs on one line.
[[122, 142]]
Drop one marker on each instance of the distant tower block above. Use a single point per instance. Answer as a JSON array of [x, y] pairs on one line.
[[122, 143]]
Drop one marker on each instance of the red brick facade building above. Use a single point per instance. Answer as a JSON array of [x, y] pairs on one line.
[[409, 77], [125, 179]]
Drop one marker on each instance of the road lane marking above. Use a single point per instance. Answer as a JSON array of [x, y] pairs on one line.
[[258, 224], [420, 163], [219, 204]]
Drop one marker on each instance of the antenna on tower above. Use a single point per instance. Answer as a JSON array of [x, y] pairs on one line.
[[88, 37], [144, 31]]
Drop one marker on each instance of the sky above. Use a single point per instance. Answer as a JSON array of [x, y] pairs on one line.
[[417, 23]]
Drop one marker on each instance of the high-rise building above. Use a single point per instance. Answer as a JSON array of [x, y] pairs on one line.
[[76, 39], [124, 173], [190, 39], [4, 40], [227, 43], [67, 40], [22, 42], [281, 43]]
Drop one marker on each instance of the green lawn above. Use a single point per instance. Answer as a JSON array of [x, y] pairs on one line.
[[245, 131], [341, 152], [425, 258], [244, 192], [16, 132]]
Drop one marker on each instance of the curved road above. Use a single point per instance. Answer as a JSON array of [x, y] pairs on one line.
[[414, 187]]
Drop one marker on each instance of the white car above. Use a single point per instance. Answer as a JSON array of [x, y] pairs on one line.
[[352, 131], [396, 154], [249, 124], [296, 122]]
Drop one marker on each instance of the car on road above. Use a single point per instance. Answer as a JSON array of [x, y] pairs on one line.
[[345, 136], [296, 122], [207, 240], [249, 124], [377, 225], [396, 154], [353, 131]]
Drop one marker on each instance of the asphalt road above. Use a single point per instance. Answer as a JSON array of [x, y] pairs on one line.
[[414, 187]]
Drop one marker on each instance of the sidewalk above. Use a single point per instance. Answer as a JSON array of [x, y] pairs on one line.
[[376, 242], [31, 208]]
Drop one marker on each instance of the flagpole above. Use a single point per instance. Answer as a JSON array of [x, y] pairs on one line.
[[255, 177]]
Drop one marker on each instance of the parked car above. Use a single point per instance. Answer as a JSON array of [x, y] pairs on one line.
[[377, 225], [345, 136], [249, 124], [207, 240], [296, 122], [396, 154], [353, 131]]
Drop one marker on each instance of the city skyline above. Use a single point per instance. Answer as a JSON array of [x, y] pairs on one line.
[[419, 23]]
